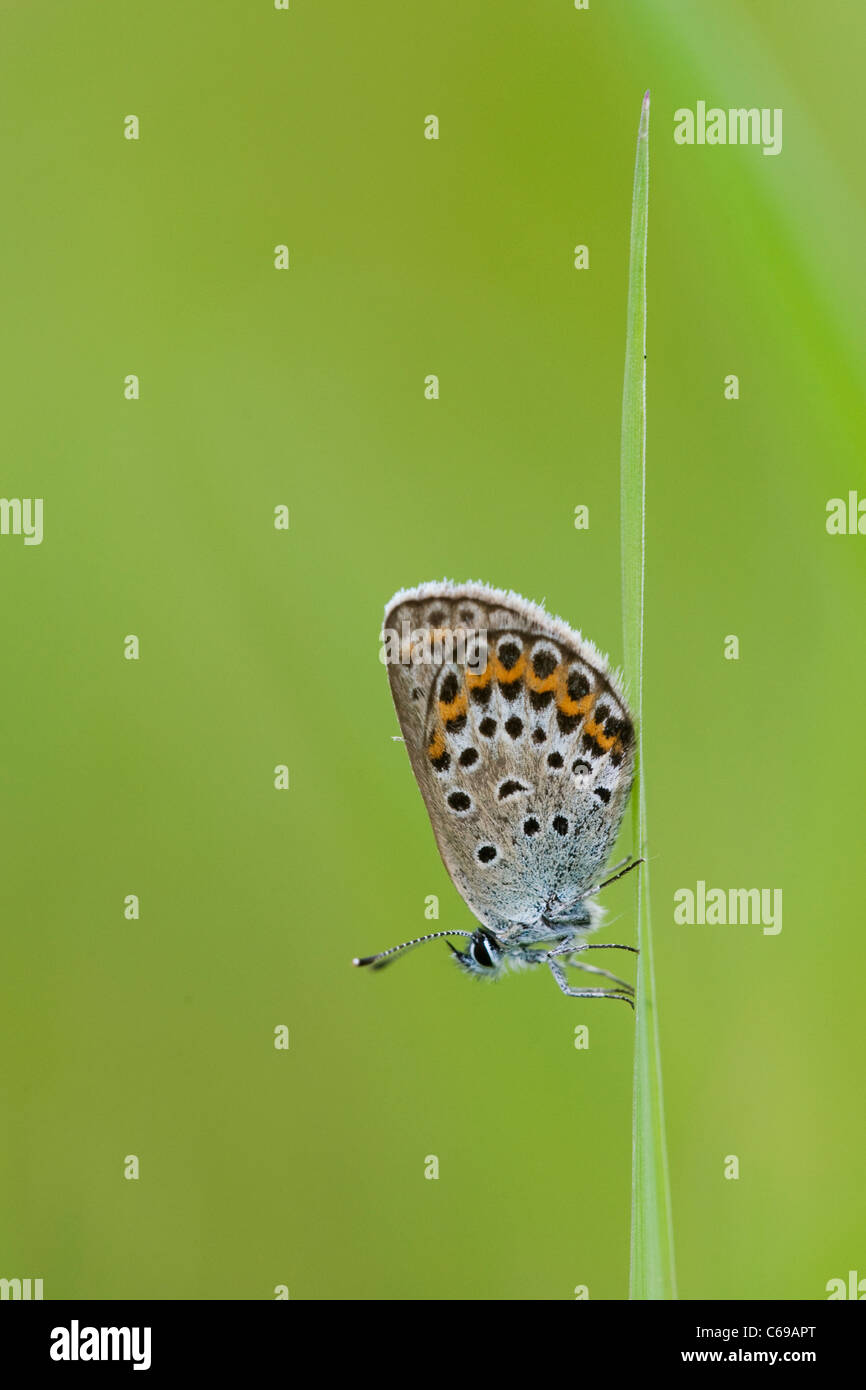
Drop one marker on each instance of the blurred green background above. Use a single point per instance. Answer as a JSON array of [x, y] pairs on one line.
[[259, 647]]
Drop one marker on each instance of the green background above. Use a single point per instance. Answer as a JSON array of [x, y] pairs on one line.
[[259, 647]]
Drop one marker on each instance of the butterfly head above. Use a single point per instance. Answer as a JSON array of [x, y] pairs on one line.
[[484, 956]]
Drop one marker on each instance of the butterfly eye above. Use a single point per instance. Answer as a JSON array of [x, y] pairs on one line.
[[480, 953]]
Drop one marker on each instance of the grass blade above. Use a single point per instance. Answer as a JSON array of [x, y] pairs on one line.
[[652, 1249]]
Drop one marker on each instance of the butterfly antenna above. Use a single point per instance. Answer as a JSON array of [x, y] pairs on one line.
[[383, 957]]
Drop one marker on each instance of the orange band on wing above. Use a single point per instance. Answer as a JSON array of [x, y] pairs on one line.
[[455, 710], [506, 677], [596, 731], [541, 686], [480, 681], [437, 747], [571, 707]]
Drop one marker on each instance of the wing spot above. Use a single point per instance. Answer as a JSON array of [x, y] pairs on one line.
[[459, 801], [449, 689], [509, 654], [538, 699], [531, 826], [577, 685], [509, 667], [438, 753], [510, 787], [543, 664], [603, 794], [469, 757], [554, 760], [514, 726], [487, 853], [487, 727]]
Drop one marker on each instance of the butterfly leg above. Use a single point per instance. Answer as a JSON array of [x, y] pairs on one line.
[[568, 951], [597, 946], [605, 946], [559, 976], [630, 863], [614, 868], [595, 969]]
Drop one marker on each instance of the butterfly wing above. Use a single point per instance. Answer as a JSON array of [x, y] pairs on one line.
[[520, 740]]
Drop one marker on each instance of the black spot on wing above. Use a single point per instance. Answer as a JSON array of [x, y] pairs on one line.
[[510, 787], [543, 664], [449, 687]]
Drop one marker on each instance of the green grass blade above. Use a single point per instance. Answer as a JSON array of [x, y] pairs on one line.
[[652, 1248]]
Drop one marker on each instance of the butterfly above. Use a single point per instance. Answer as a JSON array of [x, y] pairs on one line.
[[523, 748]]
